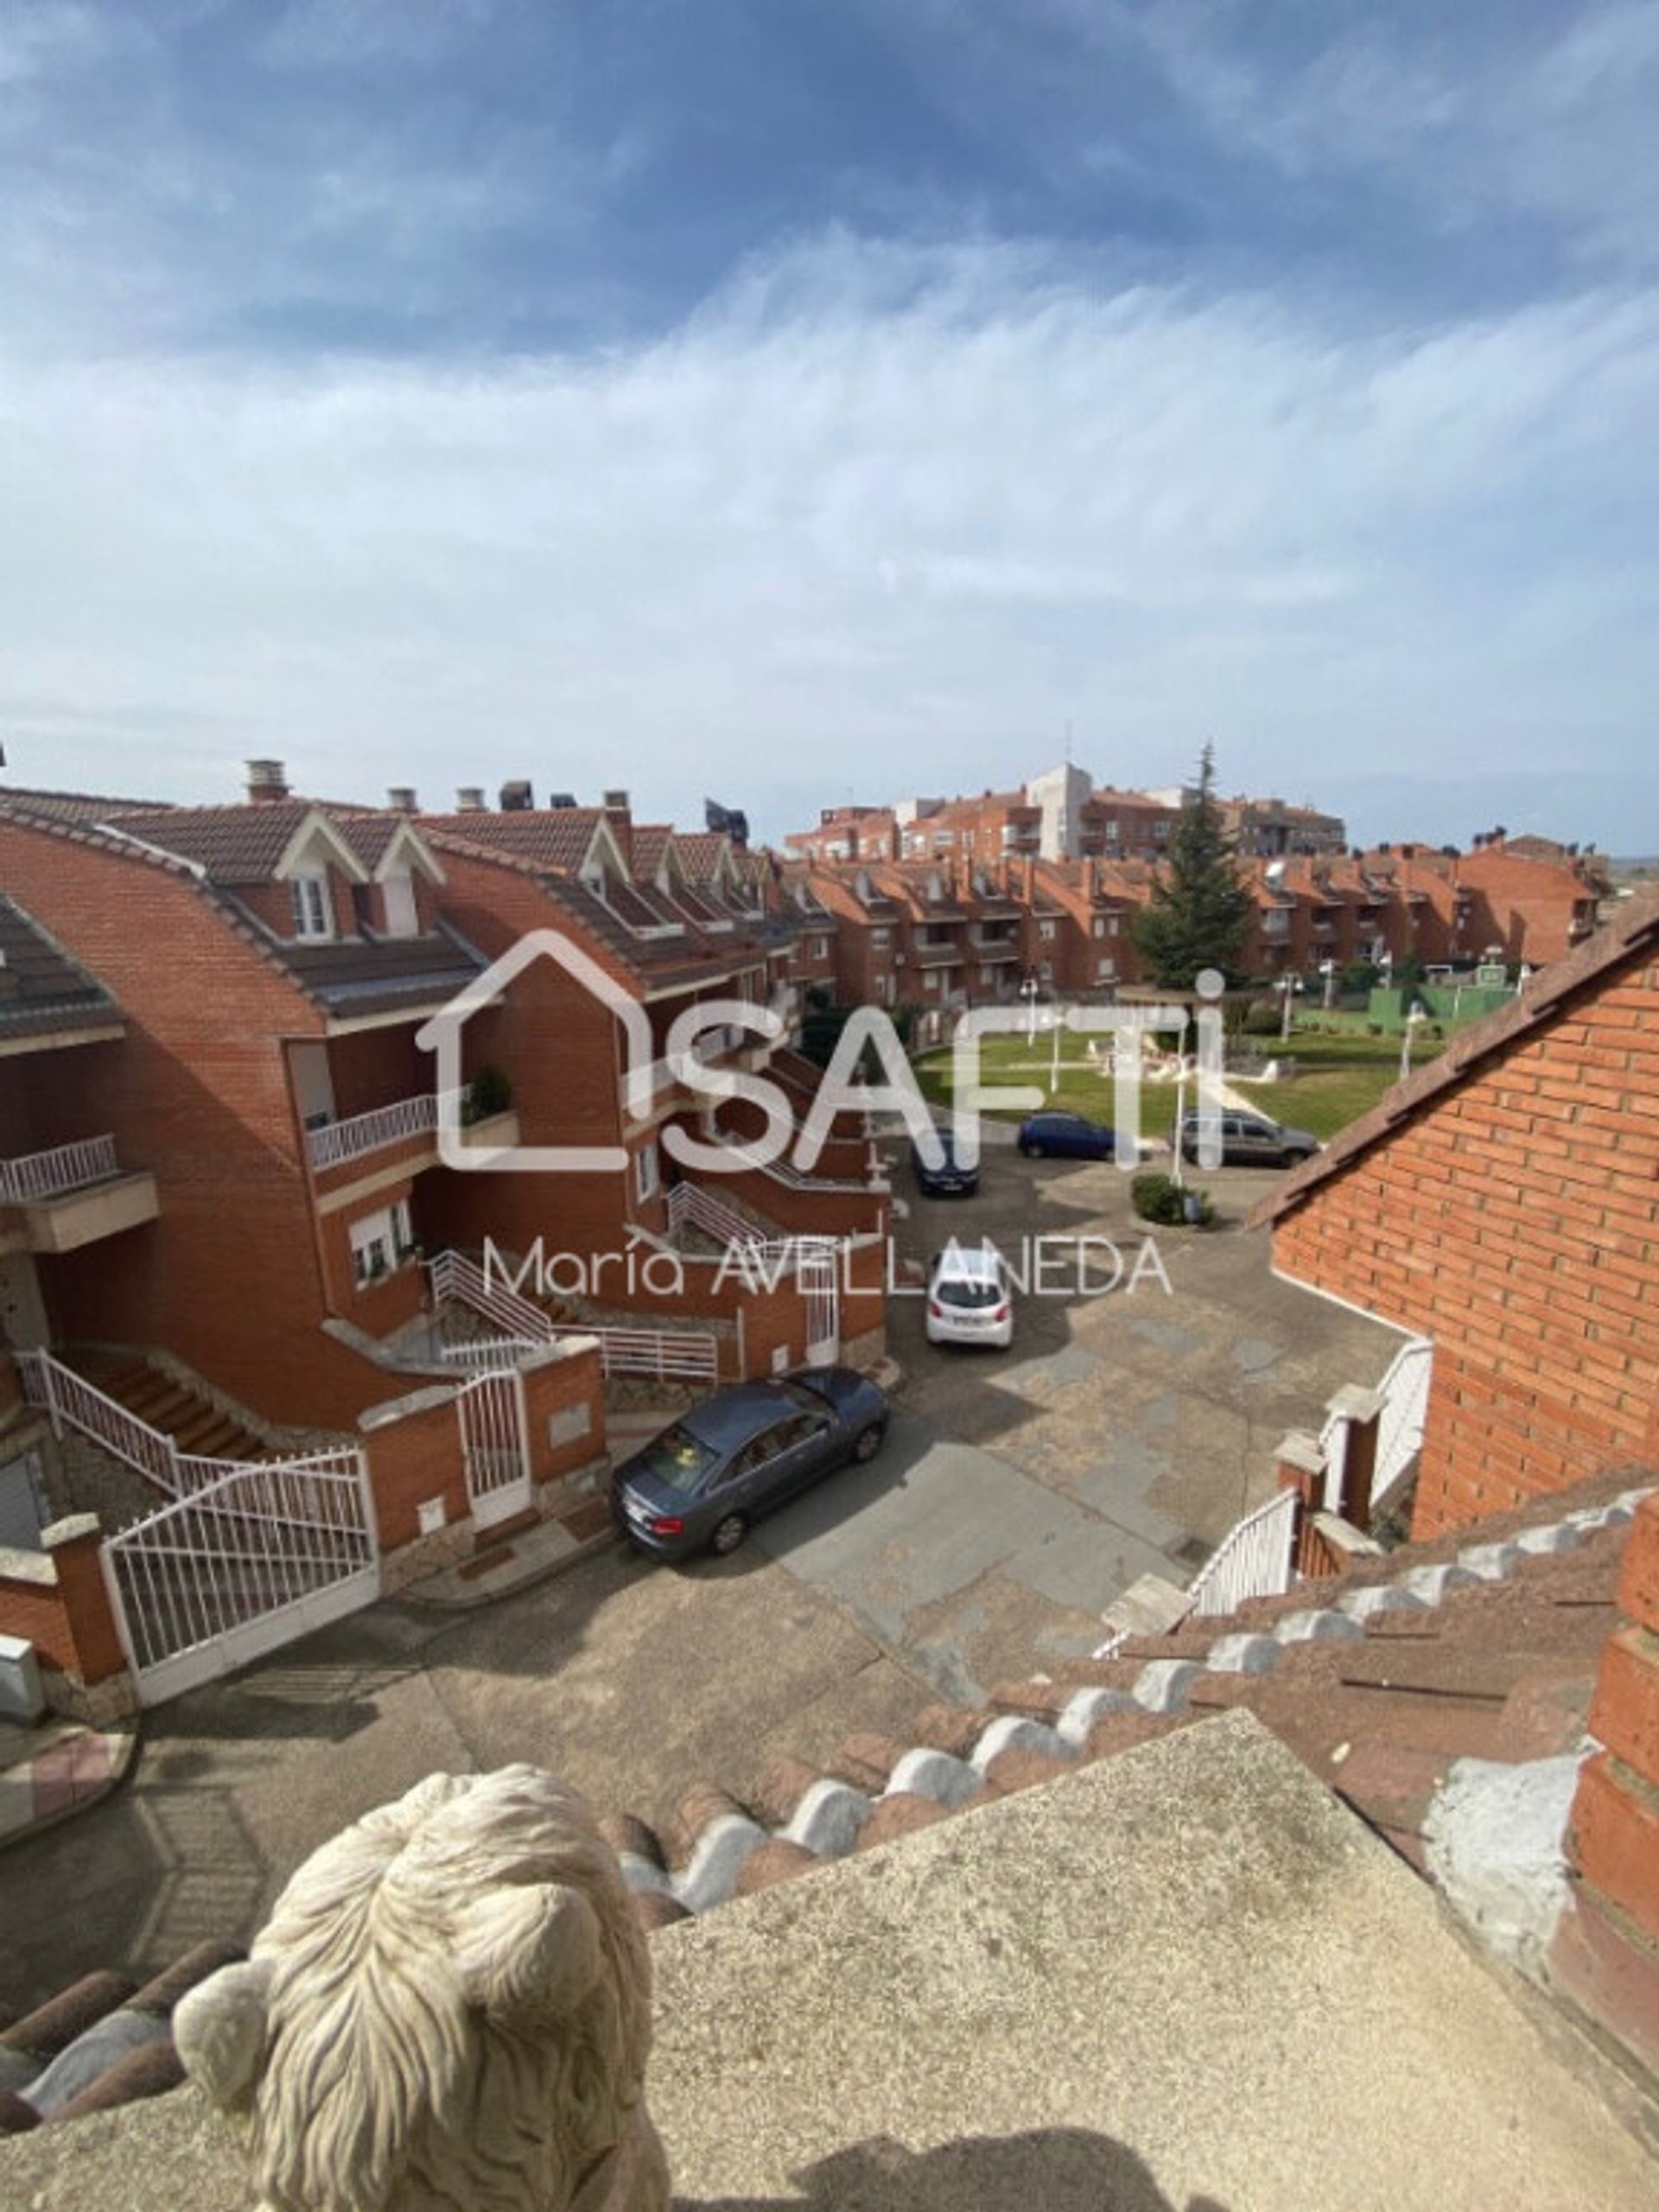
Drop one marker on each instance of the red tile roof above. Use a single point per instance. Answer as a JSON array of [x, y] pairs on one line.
[[552, 837], [232, 844]]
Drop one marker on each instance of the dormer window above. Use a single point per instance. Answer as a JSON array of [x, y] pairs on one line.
[[403, 915], [313, 916]]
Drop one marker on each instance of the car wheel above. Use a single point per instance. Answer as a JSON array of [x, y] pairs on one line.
[[869, 1441], [728, 1534], [1032, 1151]]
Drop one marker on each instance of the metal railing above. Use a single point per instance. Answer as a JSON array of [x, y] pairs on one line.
[[1253, 1560], [665, 1353], [454, 1276], [71, 1401], [689, 1204], [1404, 1390], [336, 1142], [37, 1175]]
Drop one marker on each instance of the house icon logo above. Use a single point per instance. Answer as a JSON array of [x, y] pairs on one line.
[[442, 1035]]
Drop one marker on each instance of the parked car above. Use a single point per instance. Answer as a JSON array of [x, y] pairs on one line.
[[950, 1178], [1065, 1136], [702, 1483], [1250, 1139], [969, 1297]]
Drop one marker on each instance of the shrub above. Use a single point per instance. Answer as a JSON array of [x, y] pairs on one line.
[[1263, 1021], [490, 1093], [1158, 1198]]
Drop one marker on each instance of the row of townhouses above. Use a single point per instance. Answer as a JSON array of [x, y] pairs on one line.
[[940, 935], [252, 1054]]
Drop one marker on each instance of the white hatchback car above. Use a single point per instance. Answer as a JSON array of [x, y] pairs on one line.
[[969, 1297]]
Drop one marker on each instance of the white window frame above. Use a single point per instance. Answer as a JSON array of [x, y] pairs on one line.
[[401, 904], [313, 917], [1045, 931], [387, 1233]]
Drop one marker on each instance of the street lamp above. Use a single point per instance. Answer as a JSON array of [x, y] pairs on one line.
[[1329, 971], [1414, 1021], [1289, 985], [1028, 991]]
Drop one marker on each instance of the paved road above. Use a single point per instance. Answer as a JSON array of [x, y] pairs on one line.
[[1018, 1493]]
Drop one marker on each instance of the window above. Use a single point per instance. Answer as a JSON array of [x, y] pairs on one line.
[[1106, 965], [647, 1172], [403, 915], [1045, 931], [881, 938], [820, 948], [312, 917], [379, 1241]]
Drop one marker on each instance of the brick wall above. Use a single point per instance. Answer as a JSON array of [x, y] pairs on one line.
[[1516, 1223], [1614, 1832], [67, 1618]]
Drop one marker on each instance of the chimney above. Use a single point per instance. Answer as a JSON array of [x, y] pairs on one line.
[[402, 800], [267, 782], [516, 797], [619, 814], [469, 799]]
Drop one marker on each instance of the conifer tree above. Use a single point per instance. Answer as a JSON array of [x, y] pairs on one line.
[[1200, 906]]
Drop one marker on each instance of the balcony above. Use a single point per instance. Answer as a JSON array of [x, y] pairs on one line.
[[935, 952], [409, 1124], [74, 1195], [996, 948]]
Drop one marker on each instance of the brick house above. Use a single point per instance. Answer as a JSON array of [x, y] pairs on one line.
[[1503, 1205]]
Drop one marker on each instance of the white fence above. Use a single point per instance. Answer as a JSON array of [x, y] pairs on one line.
[[1255, 1558], [670, 1355], [37, 1175], [1404, 1390], [267, 1552], [69, 1398], [336, 1142], [495, 1443]]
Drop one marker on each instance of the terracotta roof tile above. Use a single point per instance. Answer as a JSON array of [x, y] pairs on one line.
[[553, 837], [232, 844]]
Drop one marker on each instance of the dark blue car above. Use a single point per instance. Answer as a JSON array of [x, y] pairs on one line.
[[1065, 1136], [949, 1179], [700, 1484]]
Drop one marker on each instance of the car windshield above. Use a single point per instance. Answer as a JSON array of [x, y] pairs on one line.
[[947, 1142], [972, 1294], [677, 1457]]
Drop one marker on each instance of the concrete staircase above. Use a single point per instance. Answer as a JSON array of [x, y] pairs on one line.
[[1480, 1649], [194, 1422]]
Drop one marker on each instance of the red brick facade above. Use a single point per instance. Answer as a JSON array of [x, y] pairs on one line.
[[1505, 1205]]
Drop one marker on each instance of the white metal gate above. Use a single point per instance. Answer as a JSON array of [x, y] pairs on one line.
[[248, 1562], [815, 1273], [495, 1445], [1404, 1390]]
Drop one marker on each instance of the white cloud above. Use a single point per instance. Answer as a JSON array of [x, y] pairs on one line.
[[871, 517]]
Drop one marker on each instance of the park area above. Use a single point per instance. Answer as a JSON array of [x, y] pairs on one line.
[[1334, 1075]]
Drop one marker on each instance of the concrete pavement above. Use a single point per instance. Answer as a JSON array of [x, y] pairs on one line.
[[1017, 1495]]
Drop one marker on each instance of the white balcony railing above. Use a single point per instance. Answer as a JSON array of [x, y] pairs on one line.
[[336, 1142], [39, 1175]]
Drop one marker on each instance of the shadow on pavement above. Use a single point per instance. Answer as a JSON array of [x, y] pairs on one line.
[[1053, 2168]]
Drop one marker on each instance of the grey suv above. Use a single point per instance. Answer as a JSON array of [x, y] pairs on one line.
[[1252, 1140]]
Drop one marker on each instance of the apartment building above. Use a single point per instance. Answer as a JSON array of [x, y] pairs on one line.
[[1267, 829]]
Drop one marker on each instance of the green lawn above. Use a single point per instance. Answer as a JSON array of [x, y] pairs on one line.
[[1339, 1077]]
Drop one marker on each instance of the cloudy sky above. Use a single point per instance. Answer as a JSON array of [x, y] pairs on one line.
[[796, 400]]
